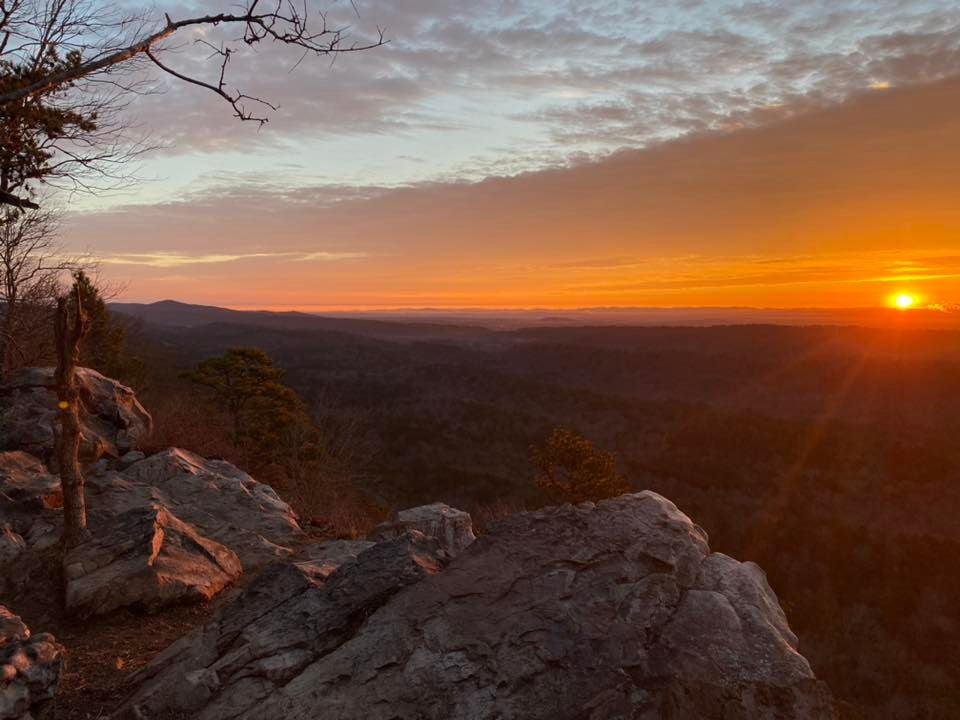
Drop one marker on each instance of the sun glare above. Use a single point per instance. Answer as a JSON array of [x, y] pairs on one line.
[[903, 301]]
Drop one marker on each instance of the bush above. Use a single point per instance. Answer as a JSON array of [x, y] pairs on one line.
[[569, 469]]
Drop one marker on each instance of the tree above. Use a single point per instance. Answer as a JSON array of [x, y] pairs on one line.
[[569, 469], [66, 67], [246, 384], [71, 327], [31, 265], [105, 348]]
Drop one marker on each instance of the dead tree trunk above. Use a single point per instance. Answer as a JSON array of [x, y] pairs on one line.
[[69, 334]]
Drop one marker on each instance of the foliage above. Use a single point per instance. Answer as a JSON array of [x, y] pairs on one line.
[[249, 387], [105, 346], [569, 469], [851, 514], [30, 128]]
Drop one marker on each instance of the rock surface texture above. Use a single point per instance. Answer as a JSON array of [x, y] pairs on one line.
[[112, 418], [29, 667], [169, 528], [451, 528], [221, 501], [147, 558], [613, 610]]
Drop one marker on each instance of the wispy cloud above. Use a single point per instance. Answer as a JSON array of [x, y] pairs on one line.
[[163, 259], [324, 256]]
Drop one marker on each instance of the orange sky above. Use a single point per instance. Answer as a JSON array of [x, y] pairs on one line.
[[839, 207]]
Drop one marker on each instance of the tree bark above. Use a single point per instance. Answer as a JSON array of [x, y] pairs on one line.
[[69, 335]]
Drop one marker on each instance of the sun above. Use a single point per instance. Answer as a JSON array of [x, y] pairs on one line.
[[904, 301]]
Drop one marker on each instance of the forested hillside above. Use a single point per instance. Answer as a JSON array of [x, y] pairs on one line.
[[826, 455]]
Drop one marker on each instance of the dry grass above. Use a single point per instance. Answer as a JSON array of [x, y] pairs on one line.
[[488, 514]]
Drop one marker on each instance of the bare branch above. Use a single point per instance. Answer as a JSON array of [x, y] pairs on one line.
[[288, 27]]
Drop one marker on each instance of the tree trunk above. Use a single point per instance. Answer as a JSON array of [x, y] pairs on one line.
[[6, 334], [69, 335]]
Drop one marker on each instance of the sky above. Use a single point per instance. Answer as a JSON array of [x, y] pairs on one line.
[[522, 153]]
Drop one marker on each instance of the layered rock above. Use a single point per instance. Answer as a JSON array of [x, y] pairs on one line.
[[169, 528], [30, 518], [221, 501], [287, 620], [30, 667], [113, 421], [147, 558], [597, 611], [451, 528], [25, 481]]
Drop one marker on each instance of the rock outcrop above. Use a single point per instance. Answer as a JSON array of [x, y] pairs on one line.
[[168, 528], [147, 558], [113, 421], [597, 611], [451, 528], [224, 503], [30, 518], [29, 667]]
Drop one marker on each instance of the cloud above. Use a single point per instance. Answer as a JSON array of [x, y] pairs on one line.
[[589, 76], [170, 259], [324, 256], [826, 207], [165, 259]]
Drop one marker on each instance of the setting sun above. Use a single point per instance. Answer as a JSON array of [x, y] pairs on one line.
[[904, 301]]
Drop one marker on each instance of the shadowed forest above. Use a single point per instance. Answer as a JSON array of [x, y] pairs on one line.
[[826, 455]]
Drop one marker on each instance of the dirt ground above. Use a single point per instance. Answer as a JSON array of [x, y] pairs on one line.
[[103, 654]]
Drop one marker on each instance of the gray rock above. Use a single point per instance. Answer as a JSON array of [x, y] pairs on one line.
[[130, 458], [12, 546], [222, 506], [452, 528], [12, 628], [113, 420], [145, 557], [321, 559], [224, 503], [286, 621], [29, 667], [612, 610], [30, 502], [25, 481]]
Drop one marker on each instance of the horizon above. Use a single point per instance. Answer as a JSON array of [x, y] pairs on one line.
[[919, 318]]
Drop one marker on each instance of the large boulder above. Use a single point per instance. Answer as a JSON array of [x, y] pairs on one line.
[[29, 667], [168, 528], [30, 518], [450, 527], [147, 558], [609, 610], [113, 421], [26, 482], [221, 501]]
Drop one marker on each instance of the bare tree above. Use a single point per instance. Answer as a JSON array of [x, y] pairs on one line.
[[66, 67], [31, 265], [69, 334]]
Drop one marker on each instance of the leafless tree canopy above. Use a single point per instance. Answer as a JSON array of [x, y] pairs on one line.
[[68, 68], [31, 267]]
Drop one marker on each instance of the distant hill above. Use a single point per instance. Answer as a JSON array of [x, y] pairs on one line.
[[467, 323], [173, 314]]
